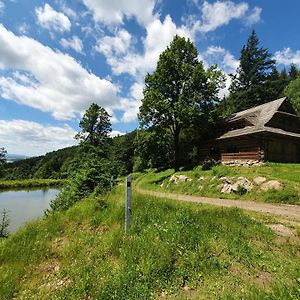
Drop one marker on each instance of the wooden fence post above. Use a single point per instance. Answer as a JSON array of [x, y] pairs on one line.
[[127, 202]]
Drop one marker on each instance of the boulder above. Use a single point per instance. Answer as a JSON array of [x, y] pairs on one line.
[[179, 178], [259, 180], [272, 185], [226, 179], [242, 182], [227, 188]]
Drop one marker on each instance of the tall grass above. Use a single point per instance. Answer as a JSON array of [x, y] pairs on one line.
[[172, 249]]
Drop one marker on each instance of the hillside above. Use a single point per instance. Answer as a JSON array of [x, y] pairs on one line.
[[52, 165], [209, 183], [173, 251]]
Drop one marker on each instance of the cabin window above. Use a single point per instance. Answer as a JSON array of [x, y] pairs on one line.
[[232, 149]]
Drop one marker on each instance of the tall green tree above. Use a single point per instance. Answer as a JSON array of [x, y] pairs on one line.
[[251, 84], [2, 155], [95, 126], [179, 91], [293, 92]]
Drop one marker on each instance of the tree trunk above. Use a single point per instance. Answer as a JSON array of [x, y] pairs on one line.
[[176, 150]]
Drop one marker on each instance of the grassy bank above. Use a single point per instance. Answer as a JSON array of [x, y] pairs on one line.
[[30, 183], [173, 251], [207, 183]]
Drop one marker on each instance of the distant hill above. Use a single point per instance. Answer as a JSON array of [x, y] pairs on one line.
[[15, 157], [51, 165]]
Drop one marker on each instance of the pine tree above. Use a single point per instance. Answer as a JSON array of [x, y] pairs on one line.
[[248, 86]]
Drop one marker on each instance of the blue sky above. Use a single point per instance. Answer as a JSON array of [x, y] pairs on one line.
[[58, 56]]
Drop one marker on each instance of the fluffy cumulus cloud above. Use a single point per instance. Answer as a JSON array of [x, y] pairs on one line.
[[254, 17], [47, 80], [114, 45], [220, 13], [287, 57], [220, 56], [74, 43], [51, 19], [39, 139], [113, 12], [158, 36]]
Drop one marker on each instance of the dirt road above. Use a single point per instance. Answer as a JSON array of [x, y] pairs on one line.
[[283, 210]]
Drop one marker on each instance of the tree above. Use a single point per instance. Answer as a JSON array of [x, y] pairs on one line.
[[95, 126], [179, 91], [293, 92], [250, 86], [2, 155], [293, 72]]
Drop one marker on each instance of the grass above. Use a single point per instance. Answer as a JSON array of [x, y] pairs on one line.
[[173, 250], [29, 183], [207, 183]]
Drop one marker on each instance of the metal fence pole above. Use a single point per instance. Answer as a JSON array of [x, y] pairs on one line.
[[127, 202]]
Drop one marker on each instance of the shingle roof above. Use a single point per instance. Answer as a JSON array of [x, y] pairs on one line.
[[258, 115], [255, 129]]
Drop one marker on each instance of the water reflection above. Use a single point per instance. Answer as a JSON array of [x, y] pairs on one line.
[[25, 205]]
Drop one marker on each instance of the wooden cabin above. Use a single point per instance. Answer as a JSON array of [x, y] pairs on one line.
[[268, 132]]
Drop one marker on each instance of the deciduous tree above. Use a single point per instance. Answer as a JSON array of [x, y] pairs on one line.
[[179, 91]]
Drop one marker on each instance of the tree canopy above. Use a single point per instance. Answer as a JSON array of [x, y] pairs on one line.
[[293, 92], [179, 91], [251, 85], [95, 126], [2, 155]]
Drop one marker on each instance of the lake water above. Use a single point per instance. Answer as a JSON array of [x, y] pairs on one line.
[[23, 206]]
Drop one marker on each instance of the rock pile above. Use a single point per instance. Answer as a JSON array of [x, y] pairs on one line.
[[242, 163], [176, 178]]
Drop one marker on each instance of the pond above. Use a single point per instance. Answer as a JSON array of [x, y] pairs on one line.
[[26, 205]]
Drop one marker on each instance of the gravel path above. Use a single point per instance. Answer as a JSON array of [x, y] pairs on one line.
[[283, 210]]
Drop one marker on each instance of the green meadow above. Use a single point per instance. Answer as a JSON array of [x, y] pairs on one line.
[[173, 251]]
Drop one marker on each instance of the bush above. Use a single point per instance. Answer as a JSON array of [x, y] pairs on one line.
[[208, 164], [93, 176]]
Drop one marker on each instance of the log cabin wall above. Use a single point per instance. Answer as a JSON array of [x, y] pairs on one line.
[[282, 150], [241, 148]]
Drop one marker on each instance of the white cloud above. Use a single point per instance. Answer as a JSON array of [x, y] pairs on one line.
[[113, 12], [115, 133], [220, 56], [158, 36], [287, 57], [38, 138], [220, 13], [254, 17], [75, 43], [50, 19], [51, 81], [114, 45]]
